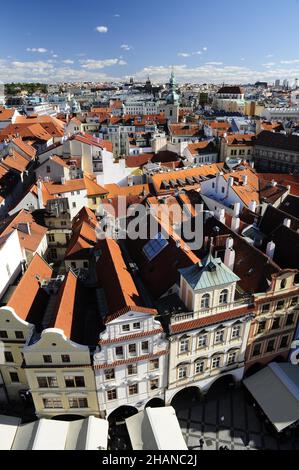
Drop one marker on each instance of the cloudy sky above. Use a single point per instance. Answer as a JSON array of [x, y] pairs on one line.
[[219, 41]]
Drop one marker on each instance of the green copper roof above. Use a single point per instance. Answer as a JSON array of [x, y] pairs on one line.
[[211, 272]]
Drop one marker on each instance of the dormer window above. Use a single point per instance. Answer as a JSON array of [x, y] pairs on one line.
[[205, 301], [223, 297], [283, 284]]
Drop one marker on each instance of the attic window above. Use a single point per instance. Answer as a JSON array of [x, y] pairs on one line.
[[283, 284]]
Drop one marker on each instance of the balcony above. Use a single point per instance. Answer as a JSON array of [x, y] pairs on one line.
[[206, 312]]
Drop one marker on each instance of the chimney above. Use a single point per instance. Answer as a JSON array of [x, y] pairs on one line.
[[270, 250], [273, 183], [230, 254], [287, 223], [230, 184], [220, 215], [245, 180], [253, 206], [237, 208], [252, 165], [40, 195], [235, 225]]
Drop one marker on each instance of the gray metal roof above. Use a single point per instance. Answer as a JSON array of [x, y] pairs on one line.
[[211, 272]]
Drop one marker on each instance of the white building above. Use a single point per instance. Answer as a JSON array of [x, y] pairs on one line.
[[11, 259], [130, 366], [210, 340]]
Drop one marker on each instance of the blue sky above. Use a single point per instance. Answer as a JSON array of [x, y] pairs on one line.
[[223, 40]]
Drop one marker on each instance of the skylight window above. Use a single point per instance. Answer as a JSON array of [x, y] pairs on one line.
[[155, 246]]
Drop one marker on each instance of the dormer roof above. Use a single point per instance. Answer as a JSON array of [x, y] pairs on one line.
[[208, 273]]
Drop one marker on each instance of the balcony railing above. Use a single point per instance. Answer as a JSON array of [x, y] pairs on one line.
[[205, 312]]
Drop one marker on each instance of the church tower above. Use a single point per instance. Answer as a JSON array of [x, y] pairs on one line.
[[172, 102]]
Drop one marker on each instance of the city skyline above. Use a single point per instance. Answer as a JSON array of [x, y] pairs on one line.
[[230, 43]]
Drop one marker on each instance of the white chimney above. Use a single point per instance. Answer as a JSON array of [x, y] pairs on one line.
[[229, 258], [237, 208], [273, 183], [235, 225], [271, 249], [220, 215], [40, 195], [245, 180], [287, 223], [252, 165], [253, 206], [230, 182]]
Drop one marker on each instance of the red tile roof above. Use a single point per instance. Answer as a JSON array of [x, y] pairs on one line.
[[26, 299]]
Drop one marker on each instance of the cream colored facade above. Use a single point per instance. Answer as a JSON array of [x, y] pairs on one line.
[[14, 334], [60, 376], [213, 345]]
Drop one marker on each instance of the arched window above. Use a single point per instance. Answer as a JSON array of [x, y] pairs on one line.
[[223, 297], [205, 301]]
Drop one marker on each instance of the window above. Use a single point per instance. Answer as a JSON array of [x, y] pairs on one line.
[[85, 264], [125, 328], [290, 319], [136, 326], [231, 358], [223, 189], [63, 223], [109, 374], [199, 367], [65, 358], [8, 356], [284, 342], [74, 205], [51, 238], [216, 362], [132, 349], [53, 253], [3, 334], [47, 382], [155, 246], [154, 384], [236, 331], [280, 305], [133, 389], [265, 308], [205, 301], [276, 324], [144, 346], [8, 270], [112, 394], [47, 359], [132, 369], [78, 403], [184, 346], [261, 327], [94, 200], [74, 382], [202, 341], [294, 301], [19, 335], [14, 377], [154, 364], [48, 169], [257, 349], [182, 373], [283, 284], [223, 297], [270, 345], [119, 351], [219, 336], [50, 403], [72, 193]]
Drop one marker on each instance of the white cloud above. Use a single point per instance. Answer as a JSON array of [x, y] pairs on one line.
[[288, 62], [40, 50], [197, 53], [205, 49], [116, 15], [184, 54], [55, 56], [269, 56], [242, 58], [102, 29], [100, 64], [214, 63], [68, 61], [126, 47], [269, 64]]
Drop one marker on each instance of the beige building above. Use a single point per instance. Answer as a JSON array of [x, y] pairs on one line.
[[209, 340]]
